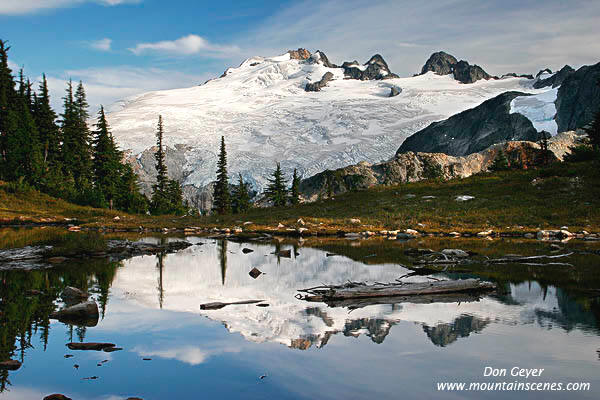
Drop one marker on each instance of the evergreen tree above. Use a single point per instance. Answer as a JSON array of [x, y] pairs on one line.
[[8, 96], [175, 198], [160, 202], [106, 160], [544, 136], [45, 119], [295, 191], [241, 197], [221, 196], [593, 132], [500, 163], [276, 191]]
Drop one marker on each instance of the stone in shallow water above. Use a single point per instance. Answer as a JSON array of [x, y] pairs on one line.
[[11, 365], [255, 273]]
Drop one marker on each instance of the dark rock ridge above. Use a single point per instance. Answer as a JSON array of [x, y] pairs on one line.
[[473, 130], [319, 56], [543, 71], [443, 63], [413, 167], [515, 75], [554, 80], [578, 98], [317, 86], [376, 69], [466, 73]]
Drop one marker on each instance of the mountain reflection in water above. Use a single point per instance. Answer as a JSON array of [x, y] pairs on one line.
[[132, 295]]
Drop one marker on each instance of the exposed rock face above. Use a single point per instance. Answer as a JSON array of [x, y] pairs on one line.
[[515, 75], [80, 314], [578, 98], [465, 73], [300, 54], [473, 130], [412, 167], [317, 86], [441, 63], [319, 56], [374, 69], [555, 80], [394, 91], [543, 71]]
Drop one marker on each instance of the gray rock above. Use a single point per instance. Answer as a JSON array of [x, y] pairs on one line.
[[72, 294], [317, 86], [473, 130], [377, 69], [543, 71], [80, 314], [394, 91], [465, 73], [555, 80], [578, 98], [441, 63], [455, 253]]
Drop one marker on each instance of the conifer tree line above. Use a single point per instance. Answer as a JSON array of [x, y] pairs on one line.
[[59, 154], [237, 200]]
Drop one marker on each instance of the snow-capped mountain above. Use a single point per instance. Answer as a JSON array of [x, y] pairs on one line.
[[266, 116]]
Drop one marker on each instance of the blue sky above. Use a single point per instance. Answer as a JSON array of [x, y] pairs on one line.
[[124, 47]]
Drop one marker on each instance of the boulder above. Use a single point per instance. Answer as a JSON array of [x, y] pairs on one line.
[[255, 273], [317, 86], [455, 253], [57, 396], [10, 365], [394, 91], [464, 198], [72, 294], [80, 314], [90, 346], [246, 250]]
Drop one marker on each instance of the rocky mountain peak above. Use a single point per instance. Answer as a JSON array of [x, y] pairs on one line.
[[300, 54], [441, 63], [374, 69], [554, 80]]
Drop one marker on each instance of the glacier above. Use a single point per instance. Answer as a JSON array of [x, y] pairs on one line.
[[265, 115]]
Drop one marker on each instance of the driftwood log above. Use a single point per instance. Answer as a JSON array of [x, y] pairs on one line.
[[356, 303], [356, 290], [218, 305]]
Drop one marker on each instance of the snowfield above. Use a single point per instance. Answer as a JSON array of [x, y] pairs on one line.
[[265, 115]]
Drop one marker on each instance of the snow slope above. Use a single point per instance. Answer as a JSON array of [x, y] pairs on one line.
[[265, 115]]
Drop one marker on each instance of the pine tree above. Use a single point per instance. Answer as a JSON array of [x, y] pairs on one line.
[[241, 197], [276, 191], [221, 196], [106, 160], [48, 131], [160, 202], [544, 136], [593, 132], [8, 96], [500, 163], [295, 191]]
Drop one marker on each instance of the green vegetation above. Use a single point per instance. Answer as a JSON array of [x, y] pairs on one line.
[[167, 197], [222, 197], [500, 162], [515, 201], [295, 190], [276, 190], [241, 197]]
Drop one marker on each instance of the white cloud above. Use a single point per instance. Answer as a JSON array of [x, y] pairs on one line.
[[188, 354], [19, 7], [102, 44], [186, 45], [509, 36], [109, 84]]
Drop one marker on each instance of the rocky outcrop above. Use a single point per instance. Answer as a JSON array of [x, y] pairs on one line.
[[578, 98], [443, 64], [466, 73], [515, 75], [80, 314], [317, 86], [374, 69], [320, 57], [473, 130], [554, 80], [300, 54], [543, 71], [413, 167], [394, 91]]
